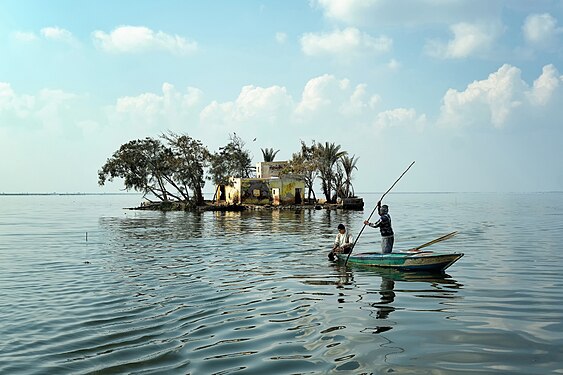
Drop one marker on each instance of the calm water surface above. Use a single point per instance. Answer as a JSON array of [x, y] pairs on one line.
[[253, 292]]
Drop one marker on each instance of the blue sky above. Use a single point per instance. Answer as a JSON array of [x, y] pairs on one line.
[[470, 90]]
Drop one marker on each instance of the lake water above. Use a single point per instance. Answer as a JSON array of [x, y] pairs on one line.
[[87, 287]]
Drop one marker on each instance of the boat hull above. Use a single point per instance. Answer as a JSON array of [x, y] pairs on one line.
[[419, 261]]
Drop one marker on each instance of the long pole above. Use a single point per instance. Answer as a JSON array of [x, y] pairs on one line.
[[372, 212]]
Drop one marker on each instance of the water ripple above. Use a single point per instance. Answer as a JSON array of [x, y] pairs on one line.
[[252, 292]]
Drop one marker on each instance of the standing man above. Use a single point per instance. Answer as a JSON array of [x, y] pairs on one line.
[[342, 243], [384, 225]]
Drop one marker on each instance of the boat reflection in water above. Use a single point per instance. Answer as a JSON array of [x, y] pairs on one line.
[[392, 286]]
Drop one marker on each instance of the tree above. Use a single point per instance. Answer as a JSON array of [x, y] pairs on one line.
[[164, 170], [345, 167], [232, 160], [191, 158], [327, 156], [304, 163], [145, 166], [269, 154]]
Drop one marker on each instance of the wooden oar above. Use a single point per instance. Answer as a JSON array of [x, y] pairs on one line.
[[439, 239], [370, 215]]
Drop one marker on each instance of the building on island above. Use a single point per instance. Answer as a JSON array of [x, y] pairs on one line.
[[269, 187]]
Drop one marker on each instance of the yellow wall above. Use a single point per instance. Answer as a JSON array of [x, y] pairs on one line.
[[259, 190]]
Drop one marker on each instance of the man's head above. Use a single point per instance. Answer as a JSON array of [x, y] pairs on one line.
[[341, 228], [384, 209]]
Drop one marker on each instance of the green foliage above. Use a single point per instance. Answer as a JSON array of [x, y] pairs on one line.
[[191, 158], [165, 170], [232, 160], [269, 154], [305, 164], [327, 156], [174, 166], [343, 180]]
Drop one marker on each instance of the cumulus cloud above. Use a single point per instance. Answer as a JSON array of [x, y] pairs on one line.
[[137, 39], [400, 117], [256, 106], [324, 100], [468, 40], [540, 30], [328, 95], [58, 34], [349, 41], [496, 99], [170, 108], [53, 33], [48, 109], [545, 86], [392, 12]]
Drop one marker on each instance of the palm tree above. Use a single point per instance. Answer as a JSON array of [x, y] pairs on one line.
[[328, 154], [269, 154], [348, 165]]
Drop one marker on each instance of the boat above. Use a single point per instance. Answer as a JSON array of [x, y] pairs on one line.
[[428, 261]]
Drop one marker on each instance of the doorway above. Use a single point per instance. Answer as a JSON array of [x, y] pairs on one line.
[[276, 196], [298, 199]]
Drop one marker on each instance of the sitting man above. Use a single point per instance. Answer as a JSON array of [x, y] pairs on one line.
[[343, 242]]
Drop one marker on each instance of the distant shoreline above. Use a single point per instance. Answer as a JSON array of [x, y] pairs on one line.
[[46, 194], [363, 193]]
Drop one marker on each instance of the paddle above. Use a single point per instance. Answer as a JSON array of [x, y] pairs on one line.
[[443, 238], [370, 215]]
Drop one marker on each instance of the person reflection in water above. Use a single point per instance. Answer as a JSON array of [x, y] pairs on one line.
[[343, 242], [387, 294], [384, 306]]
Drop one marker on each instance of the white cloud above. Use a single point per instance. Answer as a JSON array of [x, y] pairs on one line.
[[545, 86], [400, 117], [58, 34], [136, 39], [326, 99], [281, 38], [497, 99], [13, 105], [468, 40], [393, 65], [540, 30], [349, 41], [368, 13], [255, 106], [53, 33], [24, 36], [319, 93], [171, 109], [48, 110]]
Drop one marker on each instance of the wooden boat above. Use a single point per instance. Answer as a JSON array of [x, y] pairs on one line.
[[407, 261]]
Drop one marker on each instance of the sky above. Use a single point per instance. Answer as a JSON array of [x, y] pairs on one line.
[[472, 91]]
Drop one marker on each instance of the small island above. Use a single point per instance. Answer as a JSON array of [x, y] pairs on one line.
[[171, 172]]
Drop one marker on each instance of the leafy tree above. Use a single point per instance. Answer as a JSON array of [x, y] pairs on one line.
[[191, 158], [145, 166], [327, 156], [232, 160], [269, 154], [167, 171], [304, 163]]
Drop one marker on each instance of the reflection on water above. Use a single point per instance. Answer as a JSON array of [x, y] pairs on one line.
[[253, 292]]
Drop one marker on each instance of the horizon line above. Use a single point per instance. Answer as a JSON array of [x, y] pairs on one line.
[[365, 192]]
